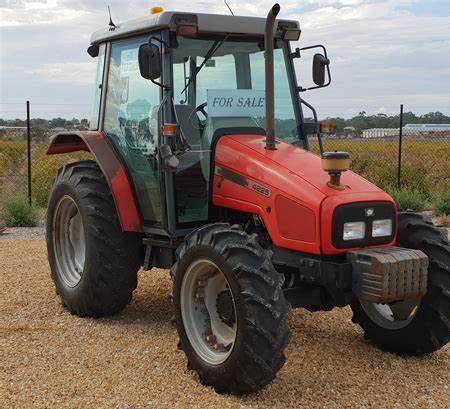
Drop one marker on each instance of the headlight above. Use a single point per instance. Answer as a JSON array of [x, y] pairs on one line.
[[354, 231], [382, 228]]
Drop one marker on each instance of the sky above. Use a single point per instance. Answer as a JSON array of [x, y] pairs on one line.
[[383, 53]]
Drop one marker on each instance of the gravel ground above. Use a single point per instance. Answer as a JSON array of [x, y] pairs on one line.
[[51, 359], [23, 233]]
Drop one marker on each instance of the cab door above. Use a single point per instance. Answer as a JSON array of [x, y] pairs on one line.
[[191, 178], [131, 125]]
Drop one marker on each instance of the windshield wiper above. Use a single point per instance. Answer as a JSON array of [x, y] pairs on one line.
[[216, 45]]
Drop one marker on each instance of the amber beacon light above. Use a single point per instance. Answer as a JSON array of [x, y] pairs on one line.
[[156, 10]]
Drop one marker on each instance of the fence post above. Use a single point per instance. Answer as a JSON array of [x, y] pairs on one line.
[[29, 151], [400, 140]]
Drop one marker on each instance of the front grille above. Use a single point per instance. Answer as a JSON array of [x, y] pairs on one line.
[[358, 212]]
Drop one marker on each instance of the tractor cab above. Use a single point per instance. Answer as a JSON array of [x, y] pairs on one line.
[[202, 73]]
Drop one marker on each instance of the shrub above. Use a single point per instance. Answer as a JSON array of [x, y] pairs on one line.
[[17, 212], [45, 169], [409, 199], [442, 203], [11, 153]]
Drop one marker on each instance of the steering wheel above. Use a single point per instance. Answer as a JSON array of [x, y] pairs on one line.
[[201, 109]]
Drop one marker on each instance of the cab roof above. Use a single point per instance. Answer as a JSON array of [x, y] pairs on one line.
[[206, 24]]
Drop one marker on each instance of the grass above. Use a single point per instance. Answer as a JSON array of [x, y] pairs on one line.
[[17, 212], [45, 169], [425, 164], [409, 199], [442, 203], [11, 153]]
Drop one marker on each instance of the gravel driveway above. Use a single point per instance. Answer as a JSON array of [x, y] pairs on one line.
[[51, 359], [23, 233]]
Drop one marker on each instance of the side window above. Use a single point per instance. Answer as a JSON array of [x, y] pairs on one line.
[[131, 99], [98, 88], [131, 123]]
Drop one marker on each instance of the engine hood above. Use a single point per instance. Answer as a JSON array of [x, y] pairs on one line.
[[306, 166], [287, 188]]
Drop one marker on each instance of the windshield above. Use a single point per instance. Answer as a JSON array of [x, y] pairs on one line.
[[227, 86]]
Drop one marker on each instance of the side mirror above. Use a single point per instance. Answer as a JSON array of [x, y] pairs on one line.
[[150, 61], [93, 50], [319, 65]]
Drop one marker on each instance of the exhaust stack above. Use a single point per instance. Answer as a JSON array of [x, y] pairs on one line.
[[270, 81]]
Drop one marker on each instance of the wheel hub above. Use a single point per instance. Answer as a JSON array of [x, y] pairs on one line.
[[208, 311], [68, 241], [225, 307]]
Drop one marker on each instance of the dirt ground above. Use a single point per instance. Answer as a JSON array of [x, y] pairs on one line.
[[51, 359]]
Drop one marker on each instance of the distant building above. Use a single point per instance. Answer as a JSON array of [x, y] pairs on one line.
[[408, 129], [349, 131], [13, 128], [425, 128], [379, 132]]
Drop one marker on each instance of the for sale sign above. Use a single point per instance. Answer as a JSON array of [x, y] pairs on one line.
[[236, 103]]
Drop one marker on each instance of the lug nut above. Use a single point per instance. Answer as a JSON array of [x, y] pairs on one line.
[[199, 298]]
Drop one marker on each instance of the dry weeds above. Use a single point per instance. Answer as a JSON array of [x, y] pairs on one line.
[[51, 359]]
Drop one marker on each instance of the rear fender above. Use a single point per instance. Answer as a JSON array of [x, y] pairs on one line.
[[115, 174]]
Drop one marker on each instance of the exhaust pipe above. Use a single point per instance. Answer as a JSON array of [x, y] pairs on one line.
[[270, 81]]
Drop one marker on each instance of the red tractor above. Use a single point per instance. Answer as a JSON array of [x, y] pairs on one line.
[[202, 166]]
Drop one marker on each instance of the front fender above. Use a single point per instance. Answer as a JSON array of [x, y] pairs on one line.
[[115, 174]]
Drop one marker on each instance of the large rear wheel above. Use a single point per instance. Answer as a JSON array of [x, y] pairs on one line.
[[230, 309], [413, 327], [93, 263]]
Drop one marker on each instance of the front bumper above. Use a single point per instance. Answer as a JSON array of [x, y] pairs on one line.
[[380, 275], [387, 274]]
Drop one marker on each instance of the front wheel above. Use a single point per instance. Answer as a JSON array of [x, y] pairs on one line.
[[413, 327], [230, 309]]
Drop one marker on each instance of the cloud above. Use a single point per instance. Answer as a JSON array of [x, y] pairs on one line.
[[22, 13], [68, 73], [381, 56], [383, 52]]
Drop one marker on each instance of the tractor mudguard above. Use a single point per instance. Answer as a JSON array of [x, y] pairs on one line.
[[113, 170]]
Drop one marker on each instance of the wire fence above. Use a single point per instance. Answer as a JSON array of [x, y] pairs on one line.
[[416, 159], [26, 171], [408, 156]]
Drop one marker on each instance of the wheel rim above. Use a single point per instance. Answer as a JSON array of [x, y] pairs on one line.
[[68, 241], [210, 326], [392, 316]]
